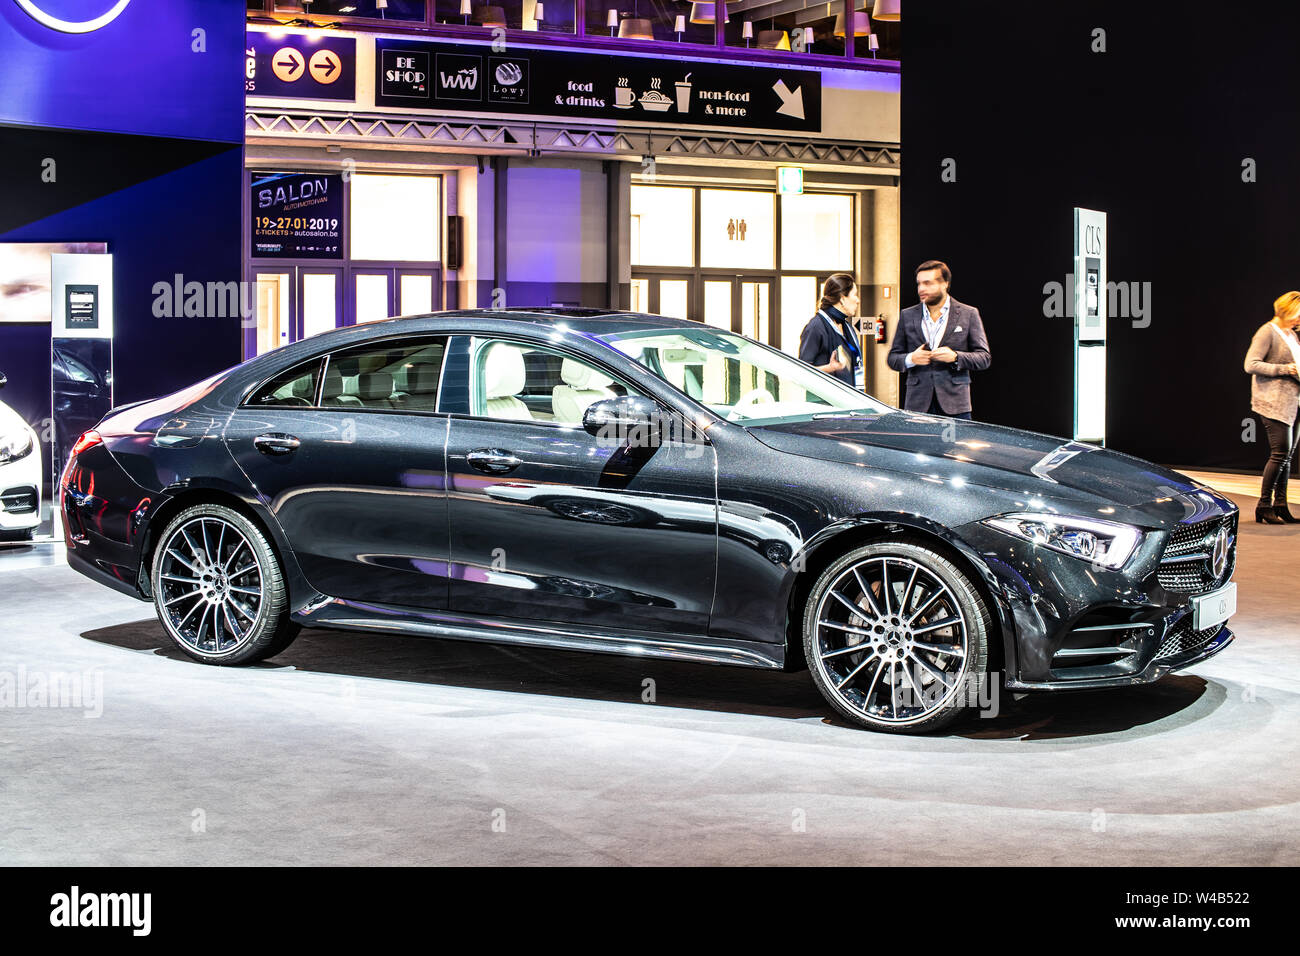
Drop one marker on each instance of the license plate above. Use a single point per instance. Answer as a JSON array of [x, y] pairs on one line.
[[1209, 610]]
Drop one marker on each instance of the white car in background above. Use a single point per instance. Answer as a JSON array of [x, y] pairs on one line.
[[20, 476]]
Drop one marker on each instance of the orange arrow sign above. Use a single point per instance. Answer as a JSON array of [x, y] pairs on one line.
[[287, 64], [325, 66]]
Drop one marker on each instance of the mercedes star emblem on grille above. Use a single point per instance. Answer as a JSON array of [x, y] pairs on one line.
[[1219, 557]]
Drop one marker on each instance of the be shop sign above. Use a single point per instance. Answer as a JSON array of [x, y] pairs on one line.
[[404, 73], [465, 76]]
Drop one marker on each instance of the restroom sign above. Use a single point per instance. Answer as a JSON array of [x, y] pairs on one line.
[[300, 66]]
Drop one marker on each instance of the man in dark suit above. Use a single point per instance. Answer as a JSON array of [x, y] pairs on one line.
[[938, 343]]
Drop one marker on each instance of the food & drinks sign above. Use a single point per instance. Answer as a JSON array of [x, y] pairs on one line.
[[461, 76]]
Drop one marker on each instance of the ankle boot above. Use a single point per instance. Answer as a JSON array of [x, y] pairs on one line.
[[1265, 514], [1279, 496]]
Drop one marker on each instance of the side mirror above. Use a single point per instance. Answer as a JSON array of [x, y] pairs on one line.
[[4, 379], [627, 421]]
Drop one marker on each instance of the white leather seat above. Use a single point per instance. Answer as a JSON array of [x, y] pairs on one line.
[[582, 386], [685, 369], [503, 379]]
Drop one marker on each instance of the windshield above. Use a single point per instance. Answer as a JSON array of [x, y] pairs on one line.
[[741, 380]]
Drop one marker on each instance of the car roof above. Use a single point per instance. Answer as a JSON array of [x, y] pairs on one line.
[[588, 321], [583, 323]]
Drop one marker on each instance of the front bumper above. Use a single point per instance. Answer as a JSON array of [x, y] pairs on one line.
[[20, 492], [1155, 670], [1075, 627]]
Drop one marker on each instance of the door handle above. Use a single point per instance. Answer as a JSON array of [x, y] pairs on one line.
[[276, 443], [492, 461]]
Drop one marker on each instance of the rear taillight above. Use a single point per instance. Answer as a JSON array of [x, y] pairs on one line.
[[89, 440]]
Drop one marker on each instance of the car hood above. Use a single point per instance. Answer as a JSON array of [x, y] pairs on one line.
[[990, 455]]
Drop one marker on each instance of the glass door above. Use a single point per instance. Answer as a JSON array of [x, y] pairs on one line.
[[320, 298], [663, 294], [719, 304], [274, 310], [371, 297], [740, 304], [755, 302], [417, 291], [800, 295], [380, 292]]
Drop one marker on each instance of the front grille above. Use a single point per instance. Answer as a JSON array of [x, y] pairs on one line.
[[19, 501], [1186, 566], [1182, 638]]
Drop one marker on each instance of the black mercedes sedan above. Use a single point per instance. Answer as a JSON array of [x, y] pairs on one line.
[[637, 485]]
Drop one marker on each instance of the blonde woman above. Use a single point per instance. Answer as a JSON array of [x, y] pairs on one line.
[[1274, 396]]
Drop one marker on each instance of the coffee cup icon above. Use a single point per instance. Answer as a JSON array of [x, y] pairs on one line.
[[684, 94], [624, 97]]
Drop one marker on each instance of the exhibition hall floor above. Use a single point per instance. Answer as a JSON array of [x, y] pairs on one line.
[[370, 749]]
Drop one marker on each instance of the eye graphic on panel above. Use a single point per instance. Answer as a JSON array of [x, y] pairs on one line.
[[72, 26]]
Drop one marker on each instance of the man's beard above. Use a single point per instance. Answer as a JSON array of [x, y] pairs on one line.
[[934, 299]]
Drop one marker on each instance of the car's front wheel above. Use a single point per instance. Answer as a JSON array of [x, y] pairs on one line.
[[896, 637], [218, 588]]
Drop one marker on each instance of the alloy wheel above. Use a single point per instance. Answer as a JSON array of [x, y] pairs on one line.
[[212, 589], [891, 640]]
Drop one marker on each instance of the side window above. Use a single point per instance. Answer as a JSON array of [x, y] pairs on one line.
[[294, 387], [519, 381], [395, 375]]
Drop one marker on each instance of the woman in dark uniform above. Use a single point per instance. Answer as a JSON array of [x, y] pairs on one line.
[[831, 334]]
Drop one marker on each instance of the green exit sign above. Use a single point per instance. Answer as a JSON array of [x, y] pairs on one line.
[[789, 180]]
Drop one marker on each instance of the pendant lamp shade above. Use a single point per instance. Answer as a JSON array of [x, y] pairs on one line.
[[773, 40], [861, 24], [490, 16], [887, 10], [704, 12], [634, 28]]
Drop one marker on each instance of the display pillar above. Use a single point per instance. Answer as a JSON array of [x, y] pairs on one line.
[[81, 361], [1090, 326]]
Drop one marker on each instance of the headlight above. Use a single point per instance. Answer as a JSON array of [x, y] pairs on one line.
[[15, 445], [1107, 544]]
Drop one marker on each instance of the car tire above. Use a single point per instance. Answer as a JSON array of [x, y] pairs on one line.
[[219, 589], [923, 633]]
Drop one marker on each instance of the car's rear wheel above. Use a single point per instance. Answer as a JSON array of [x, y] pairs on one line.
[[218, 588], [896, 637]]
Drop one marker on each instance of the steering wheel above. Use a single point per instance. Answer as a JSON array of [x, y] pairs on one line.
[[754, 396]]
